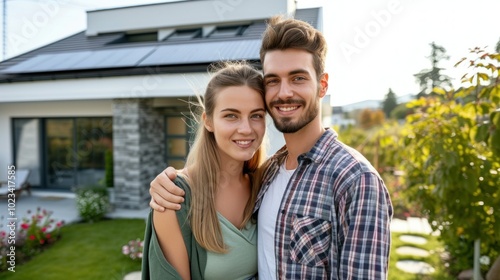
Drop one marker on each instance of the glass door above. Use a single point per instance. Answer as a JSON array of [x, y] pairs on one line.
[[27, 148], [61, 160], [94, 141]]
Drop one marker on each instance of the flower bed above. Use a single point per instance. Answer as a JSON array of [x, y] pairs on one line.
[[35, 233], [133, 249]]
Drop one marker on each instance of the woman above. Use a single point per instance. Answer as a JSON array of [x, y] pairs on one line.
[[213, 235]]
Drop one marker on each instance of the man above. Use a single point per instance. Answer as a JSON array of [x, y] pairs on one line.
[[323, 210]]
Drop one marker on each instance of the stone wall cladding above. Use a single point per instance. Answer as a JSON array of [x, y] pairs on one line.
[[138, 135]]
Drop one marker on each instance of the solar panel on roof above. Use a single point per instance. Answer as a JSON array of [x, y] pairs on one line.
[[111, 58], [188, 53], [203, 52], [126, 57]]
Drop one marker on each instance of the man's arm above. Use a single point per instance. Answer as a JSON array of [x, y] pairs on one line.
[[366, 212], [164, 193]]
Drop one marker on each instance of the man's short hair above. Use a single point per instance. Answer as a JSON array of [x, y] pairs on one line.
[[288, 33]]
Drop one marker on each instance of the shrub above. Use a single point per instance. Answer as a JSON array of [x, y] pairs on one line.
[[34, 234], [92, 203], [108, 165]]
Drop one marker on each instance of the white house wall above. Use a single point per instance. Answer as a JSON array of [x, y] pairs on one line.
[[141, 86], [183, 14]]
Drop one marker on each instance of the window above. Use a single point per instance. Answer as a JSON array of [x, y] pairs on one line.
[[63, 152], [228, 31], [185, 34], [136, 38], [177, 136], [143, 37]]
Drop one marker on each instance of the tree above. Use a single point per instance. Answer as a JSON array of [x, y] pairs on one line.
[[378, 117], [365, 118], [452, 160], [401, 111], [369, 118], [381, 146], [390, 102], [428, 79]]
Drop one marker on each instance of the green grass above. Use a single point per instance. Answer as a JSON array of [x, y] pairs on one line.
[[85, 251], [433, 246]]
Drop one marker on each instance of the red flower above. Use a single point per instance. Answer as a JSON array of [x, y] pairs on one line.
[[44, 229], [47, 236], [32, 237], [42, 241], [25, 226]]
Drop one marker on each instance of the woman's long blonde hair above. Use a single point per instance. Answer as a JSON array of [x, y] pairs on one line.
[[203, 162]]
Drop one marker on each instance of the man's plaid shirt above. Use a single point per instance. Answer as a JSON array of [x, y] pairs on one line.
[[334, 218]]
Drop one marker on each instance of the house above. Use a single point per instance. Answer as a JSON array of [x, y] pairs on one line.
[[121, 90], [340, 119], [365, 104]]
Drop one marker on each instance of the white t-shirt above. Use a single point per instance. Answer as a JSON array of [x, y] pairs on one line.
[[268, 213]]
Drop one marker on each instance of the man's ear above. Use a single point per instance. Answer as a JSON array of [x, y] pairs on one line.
[[207, 123], [323, 84]]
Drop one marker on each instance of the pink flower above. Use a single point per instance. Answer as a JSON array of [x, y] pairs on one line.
[[25, 226], [32, 237], [2, 233], [47, 236], [44, 229], [42, 241], [125, 250]]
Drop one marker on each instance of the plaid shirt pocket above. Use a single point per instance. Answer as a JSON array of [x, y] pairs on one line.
[[310, 240]]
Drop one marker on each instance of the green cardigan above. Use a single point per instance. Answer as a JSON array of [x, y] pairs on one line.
[[154, 264]]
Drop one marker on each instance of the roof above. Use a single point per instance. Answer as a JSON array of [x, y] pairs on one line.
[[114, 55]]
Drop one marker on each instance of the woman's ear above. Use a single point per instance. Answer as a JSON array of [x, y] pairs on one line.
[[206, 122]]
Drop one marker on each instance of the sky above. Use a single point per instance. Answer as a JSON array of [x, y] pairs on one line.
[[373, 45]]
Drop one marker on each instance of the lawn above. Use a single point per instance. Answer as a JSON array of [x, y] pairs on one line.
[[85, 251]]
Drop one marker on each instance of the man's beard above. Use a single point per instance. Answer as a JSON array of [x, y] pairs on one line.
[[286, 125]]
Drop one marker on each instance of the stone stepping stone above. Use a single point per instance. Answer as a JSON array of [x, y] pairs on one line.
[[413, 239], [136, 275], [412, 251], [415, 267]]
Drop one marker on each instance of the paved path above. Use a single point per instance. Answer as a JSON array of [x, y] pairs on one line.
[[412, 225], [62, 206]]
